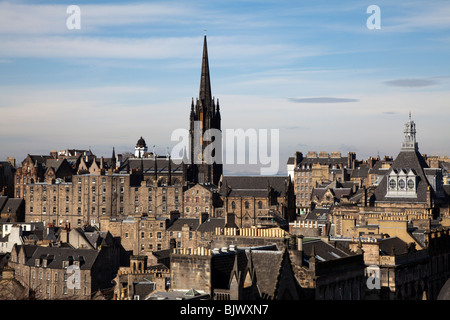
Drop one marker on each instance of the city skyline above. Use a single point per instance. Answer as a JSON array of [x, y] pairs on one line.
[[313, 71]]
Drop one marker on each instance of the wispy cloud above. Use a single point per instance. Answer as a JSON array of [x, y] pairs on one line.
[[412, 83], [323, 100], [51, 18]]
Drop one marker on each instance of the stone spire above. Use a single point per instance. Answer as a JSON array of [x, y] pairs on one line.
[[205, 83]]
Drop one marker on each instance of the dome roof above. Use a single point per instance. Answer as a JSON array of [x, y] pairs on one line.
[[141, 143]]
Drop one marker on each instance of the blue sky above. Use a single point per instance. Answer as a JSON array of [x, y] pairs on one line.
[[311, 69]]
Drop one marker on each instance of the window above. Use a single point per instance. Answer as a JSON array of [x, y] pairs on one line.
[[401, 184], [392, 184], [411, 184], [259, 204], [246, 205], [142, 235], [233, 205]]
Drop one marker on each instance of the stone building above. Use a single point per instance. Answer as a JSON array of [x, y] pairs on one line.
[[100, 192], [47, 272], [326, 272], [200, 199], [405, 270], [137, 282], [258, 200], [314, 169], [235, 274], [405, 189]]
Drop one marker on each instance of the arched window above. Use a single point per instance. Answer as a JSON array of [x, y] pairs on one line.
[[246, 205], [233, 205], [259, 204]]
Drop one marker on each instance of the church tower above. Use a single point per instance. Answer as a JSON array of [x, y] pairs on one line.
[[205, 115]]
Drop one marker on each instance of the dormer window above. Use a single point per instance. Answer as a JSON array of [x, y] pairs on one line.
[[392, 184], [37, 262], [65, 264], [401, 183], [411, 184]]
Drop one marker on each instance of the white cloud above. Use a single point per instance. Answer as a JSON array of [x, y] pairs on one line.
[[41, 19]]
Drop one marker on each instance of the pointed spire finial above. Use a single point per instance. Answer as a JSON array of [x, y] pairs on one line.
[[205, 84]]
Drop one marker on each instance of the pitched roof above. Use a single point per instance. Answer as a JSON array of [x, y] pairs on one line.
[[211, 224], [253, 186], [267, 266], [323, 251], [148, 164], [56, 255], [178, 224], [406, 160], [12, 205]]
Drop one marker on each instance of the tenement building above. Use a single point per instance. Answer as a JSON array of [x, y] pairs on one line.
[[315, 169], [407, 189]]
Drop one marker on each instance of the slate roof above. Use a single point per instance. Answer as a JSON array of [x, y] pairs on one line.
[[178, 224], [162, 165], [56, 255], [267, 265], [406, 160], [12, 205], [253, 186], [330, 161], [3, 200], [360, 172], [222, 267], [386, 246], [211, 224], [323, 251], [318, 214]]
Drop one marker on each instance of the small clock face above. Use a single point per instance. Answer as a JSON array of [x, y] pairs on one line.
[[401, 184], [410, 184], [392, 184]]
